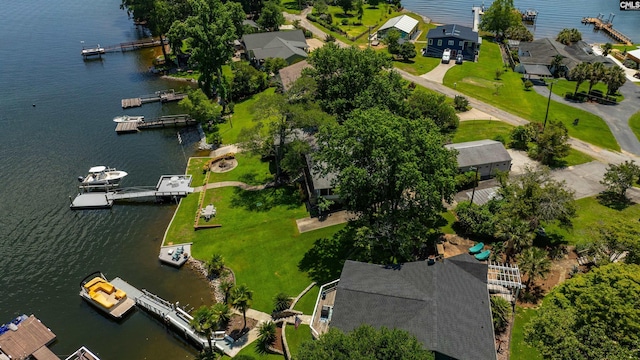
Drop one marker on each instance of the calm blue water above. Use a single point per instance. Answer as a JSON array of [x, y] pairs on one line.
[[45, 248], [553, 15]]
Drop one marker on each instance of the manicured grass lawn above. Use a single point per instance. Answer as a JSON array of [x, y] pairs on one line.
[[417, 66], [307, 303], [297, 337], [252, 350], [242, 118], [291, 6], [520, 350], [576, 157], [451, 219], [634, 124], [250, 170], [626, 47], [194, 168], [372, 17], [564, 86], [591, 214], [481, 129], [478, 80]]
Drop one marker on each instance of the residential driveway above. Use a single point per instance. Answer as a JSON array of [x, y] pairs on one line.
[[584, 179], [520, 161], [314, 44], [437, 74], [474, 114]]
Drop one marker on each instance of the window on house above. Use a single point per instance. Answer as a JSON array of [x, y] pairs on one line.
[[430, 41], [462, 44], [439, 42], [451, 42]]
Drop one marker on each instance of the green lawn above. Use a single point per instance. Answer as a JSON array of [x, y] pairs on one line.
[[307, 303], [626, 47], [519, 349], [634, 124], [297, 337], [481, 129], [372, 17], [250, 170], [590, 214], [417, 66], [194, 168], [451, 219], [242, 118], [478, 80], [252, 351], [576, 157], [563, 86], [291, 6]]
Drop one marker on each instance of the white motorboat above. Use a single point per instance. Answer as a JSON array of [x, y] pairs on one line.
[[128, 118], [101, 176]]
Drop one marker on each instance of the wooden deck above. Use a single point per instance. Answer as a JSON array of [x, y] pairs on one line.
[[131, 103], [30, 337], [127, 127], [163, 96], [167, 254], [322, 325], [164, 121], [607, 27]]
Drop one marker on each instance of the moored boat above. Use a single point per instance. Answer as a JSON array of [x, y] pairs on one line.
[[83, 354], [101, 176], [99, 292], [128, 118]]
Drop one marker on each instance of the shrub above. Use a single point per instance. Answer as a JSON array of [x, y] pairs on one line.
[[460, 103], [344, 22], [528, 85], [500, 138], [308, 34], [330, 38], [465, 180], [312, 17], [499, 73], [501, 312], [281, 302]]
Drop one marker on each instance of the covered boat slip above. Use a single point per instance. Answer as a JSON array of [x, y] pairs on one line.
[[29, 340]]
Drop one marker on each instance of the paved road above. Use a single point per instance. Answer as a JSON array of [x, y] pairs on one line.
[[616, 116]]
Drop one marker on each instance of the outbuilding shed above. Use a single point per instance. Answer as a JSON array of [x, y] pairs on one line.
[[487, 156]]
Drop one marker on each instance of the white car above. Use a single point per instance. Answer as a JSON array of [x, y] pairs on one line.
[[446, 56]]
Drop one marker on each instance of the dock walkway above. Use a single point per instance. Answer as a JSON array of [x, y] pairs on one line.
[[162, 96], [607, 26], [163, 121], [122, 47]]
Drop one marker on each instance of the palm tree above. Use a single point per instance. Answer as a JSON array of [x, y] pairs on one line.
[[267, 334], [569, 36], [515, 233], [606, 49], [614, 78], [241, 298], [281, 302], [501, 312], [226, 287], [579, 74], [203, 322], [215, 265], [596, 73], [556, 64], [222, 314], [534, 263]]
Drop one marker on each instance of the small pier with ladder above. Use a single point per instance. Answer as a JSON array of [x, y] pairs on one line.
[[162, 96], [599, 23], [169, 186], [122, 47], [174, 316], [163, 121]]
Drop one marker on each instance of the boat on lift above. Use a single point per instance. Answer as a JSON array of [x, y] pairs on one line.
[[128, 118], [102, 176]]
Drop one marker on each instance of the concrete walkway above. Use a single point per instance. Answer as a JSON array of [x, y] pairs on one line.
[[616, 116], [310, 224], [239, 184], [233, 148]]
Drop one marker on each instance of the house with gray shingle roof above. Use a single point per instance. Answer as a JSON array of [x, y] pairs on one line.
[[488, 156], [445, 305], [457, 38], [288, 45]]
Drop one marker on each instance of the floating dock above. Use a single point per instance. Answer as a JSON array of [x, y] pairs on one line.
[[169, 186], [607, 26], [26, 337], [162, 96], [175, 255], [122, 47], [172, 315], [163, 121]]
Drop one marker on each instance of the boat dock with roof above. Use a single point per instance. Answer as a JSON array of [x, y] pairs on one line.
[[169, 186], [26, 337]]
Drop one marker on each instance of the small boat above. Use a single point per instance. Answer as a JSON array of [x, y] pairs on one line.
[[101, 176], [83, 354], [127, 118], [104, 296]]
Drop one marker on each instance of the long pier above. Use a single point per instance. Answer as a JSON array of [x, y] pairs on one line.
[[162, 96], [169, 186], [122, 47], [172, 315], [607, 26], [163, 121]]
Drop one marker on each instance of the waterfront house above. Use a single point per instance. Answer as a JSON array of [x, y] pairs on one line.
[[445, 305], [459, 39], [487, 156], [404, 24], [539, 54], [288, 45]]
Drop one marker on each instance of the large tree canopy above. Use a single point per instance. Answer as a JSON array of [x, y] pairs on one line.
[[394, 173], [499, 17], [592, 316], [364, 342]]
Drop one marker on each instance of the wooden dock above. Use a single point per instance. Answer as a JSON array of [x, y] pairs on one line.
[[28, 339], [607, 26], [122, 47], [162, 96], [163, 121]]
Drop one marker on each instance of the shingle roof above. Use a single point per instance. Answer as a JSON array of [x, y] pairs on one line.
[[318, 180], [446, 305], [288, 75], [282, 44], [543, 51], [480, 152], [453, 30], [404, 23]]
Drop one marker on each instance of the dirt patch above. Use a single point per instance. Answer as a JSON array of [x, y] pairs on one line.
[[278, 343], [224, 165], [456, 245], [236, 326]]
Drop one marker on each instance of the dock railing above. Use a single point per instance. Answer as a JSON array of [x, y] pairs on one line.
[[323, 289]]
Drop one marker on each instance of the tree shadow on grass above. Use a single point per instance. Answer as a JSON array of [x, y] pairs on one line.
[[614, 201], [532, 295], [324, 261], [266, 199]]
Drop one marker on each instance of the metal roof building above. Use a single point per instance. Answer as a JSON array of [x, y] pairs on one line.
[[487, 156], [406, 25]]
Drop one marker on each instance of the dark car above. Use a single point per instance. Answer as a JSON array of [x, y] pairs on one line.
[[459, 59]]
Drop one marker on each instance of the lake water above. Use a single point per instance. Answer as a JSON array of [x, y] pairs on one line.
[[553, 16], [45, 248]]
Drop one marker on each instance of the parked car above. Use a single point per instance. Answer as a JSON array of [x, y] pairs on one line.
[[459, 59], [446, 56]]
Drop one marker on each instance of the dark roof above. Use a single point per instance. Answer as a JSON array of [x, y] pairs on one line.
[[260, 40], [318, 180], [446, 305], [288, 75], [543, 51], [453, 30], [480, 152], [540, 70]]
